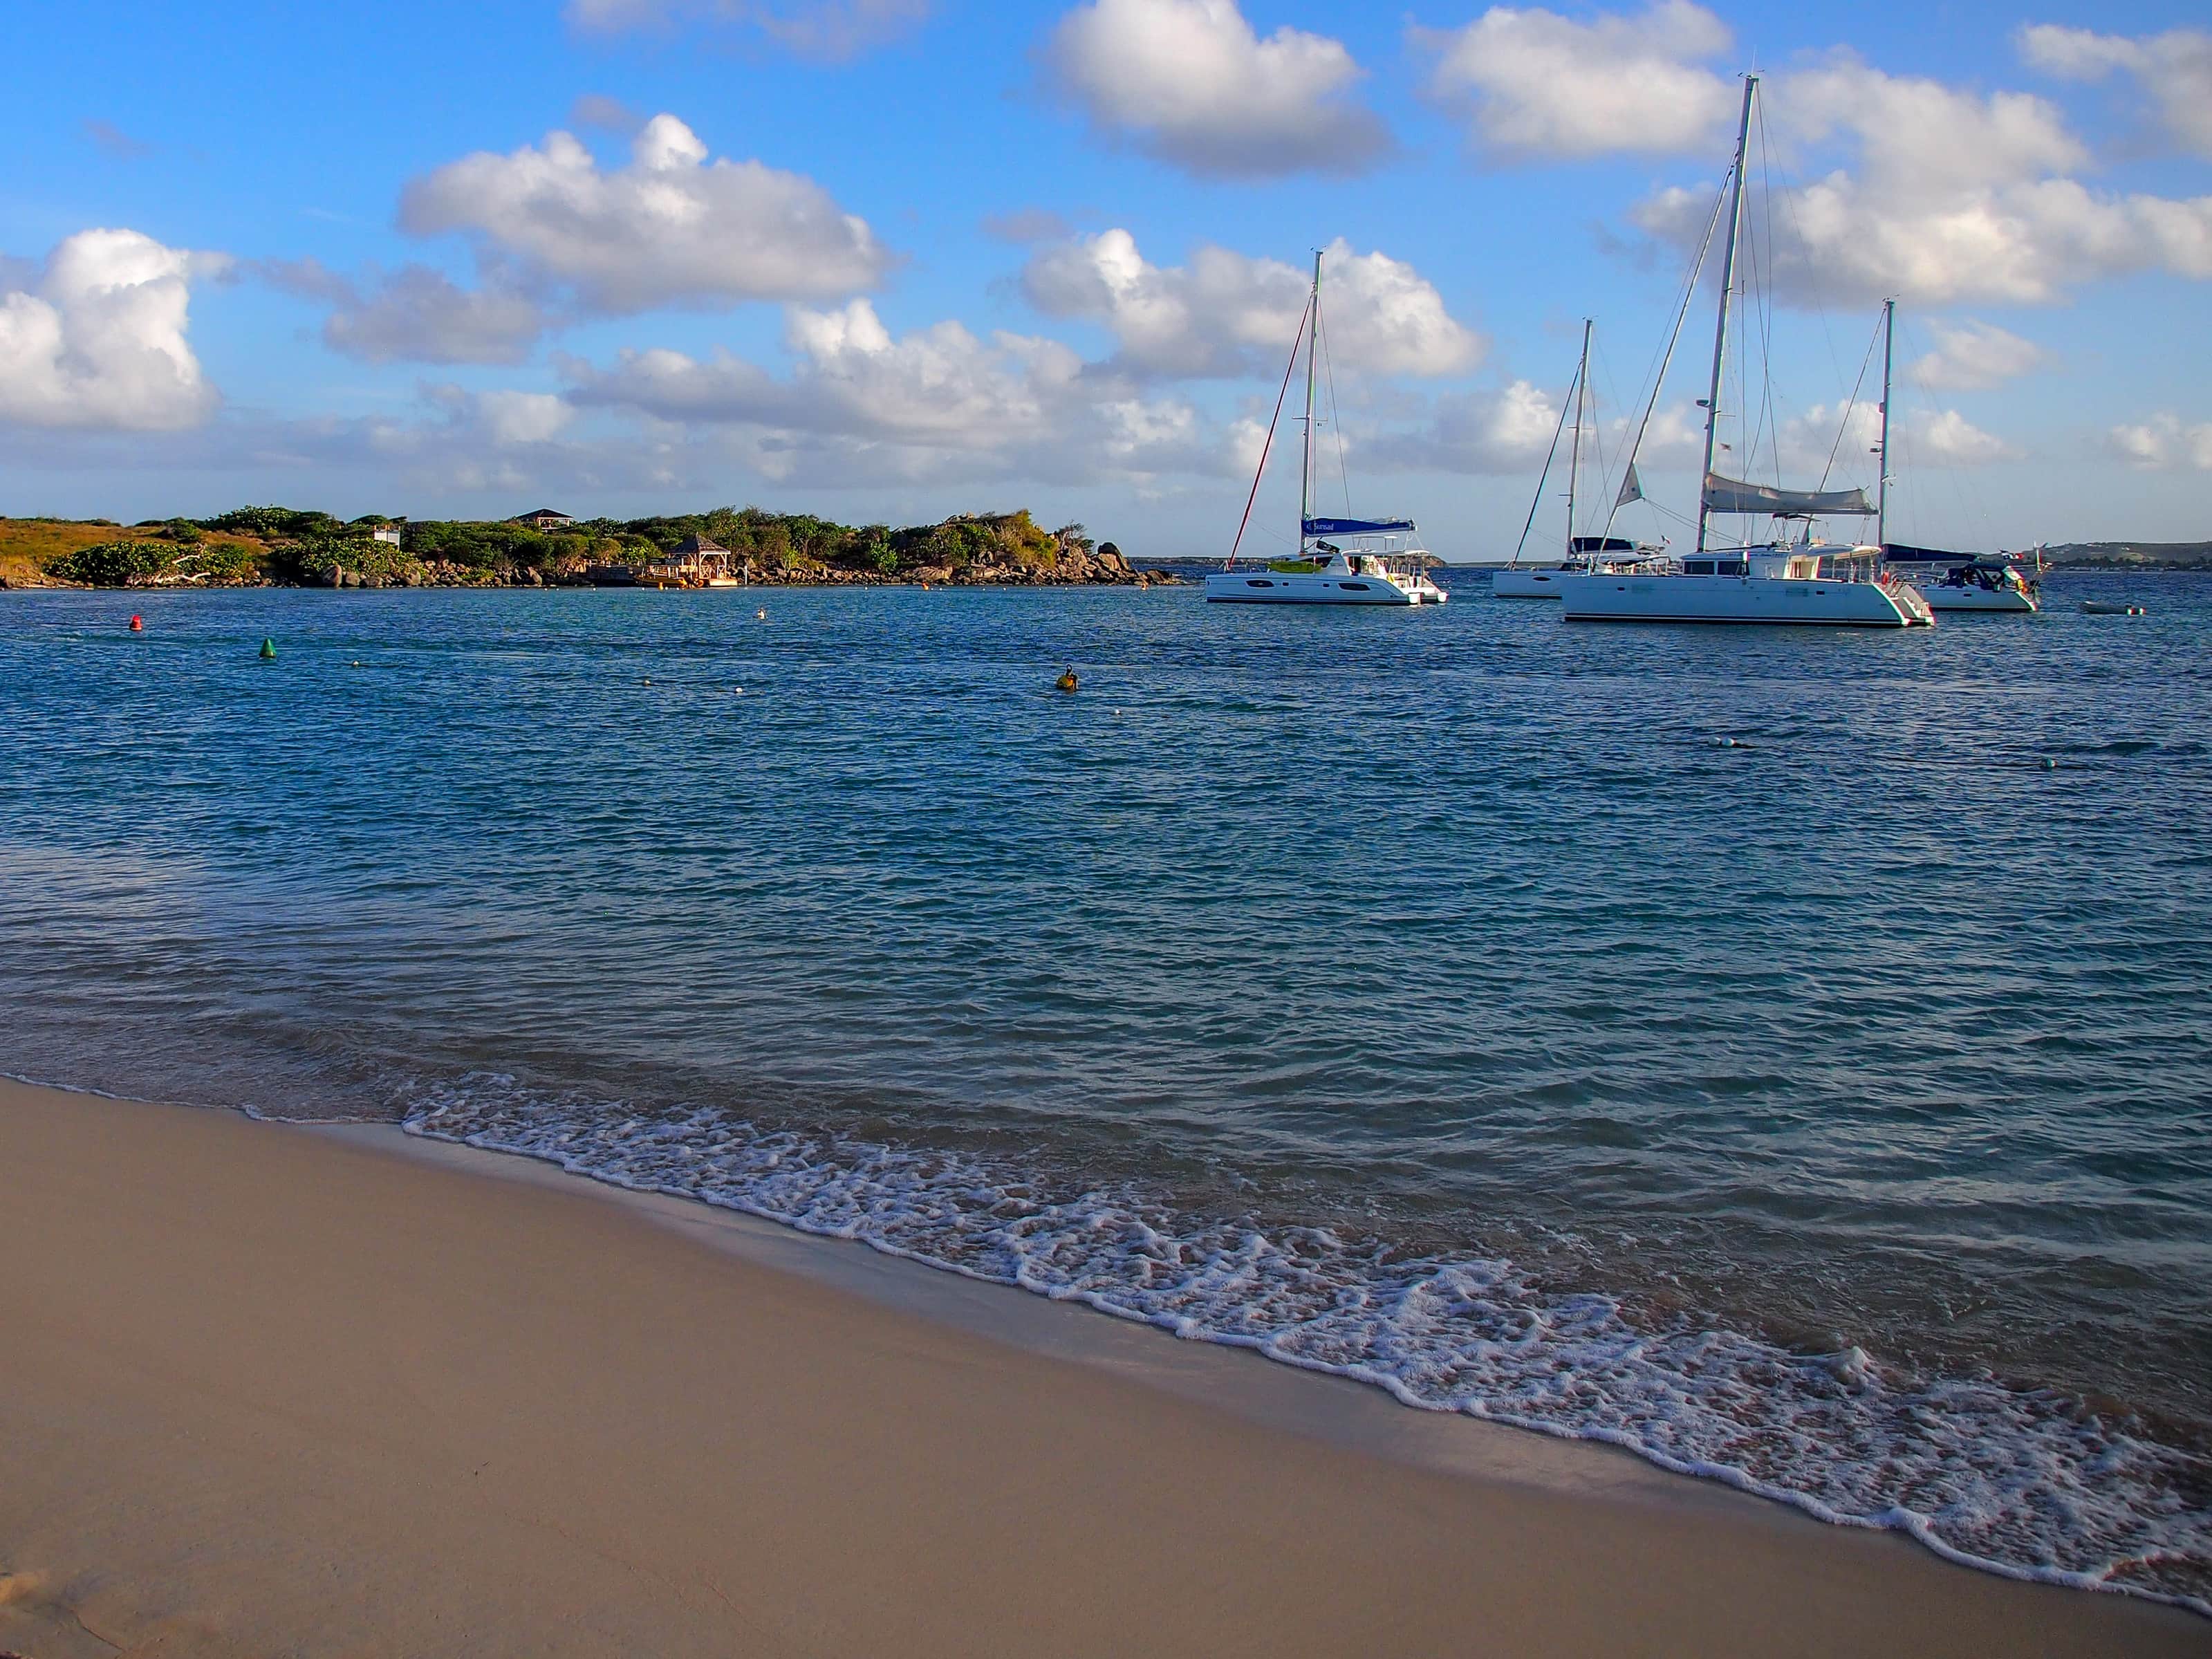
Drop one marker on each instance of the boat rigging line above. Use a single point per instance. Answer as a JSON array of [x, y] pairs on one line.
[[1843, 427], [1666, 358], [1260, 471], [1335, 416], [1574, 391]]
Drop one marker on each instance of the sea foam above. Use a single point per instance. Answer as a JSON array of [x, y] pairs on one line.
[[2034, 1485]]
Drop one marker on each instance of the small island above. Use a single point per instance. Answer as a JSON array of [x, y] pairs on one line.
[[282, 546], [2131, 555]]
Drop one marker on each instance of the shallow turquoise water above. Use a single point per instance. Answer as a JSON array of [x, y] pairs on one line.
[[1837, 991]]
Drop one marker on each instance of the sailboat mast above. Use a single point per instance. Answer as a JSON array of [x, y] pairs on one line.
[[1881, 491], [1305, 468], [1728, 281], [1575, 454]]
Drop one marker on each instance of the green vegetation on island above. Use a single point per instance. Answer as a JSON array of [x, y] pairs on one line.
[[302, 547]]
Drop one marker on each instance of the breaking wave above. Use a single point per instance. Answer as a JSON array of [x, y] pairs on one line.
[[2032, 1484]]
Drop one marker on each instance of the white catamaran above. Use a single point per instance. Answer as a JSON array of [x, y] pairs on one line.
[[1801, 581], [1385, 564]]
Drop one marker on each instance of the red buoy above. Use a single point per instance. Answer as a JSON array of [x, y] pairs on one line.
[[138, 624]]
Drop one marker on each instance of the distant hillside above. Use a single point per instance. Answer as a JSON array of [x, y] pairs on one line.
[[2134, 555]]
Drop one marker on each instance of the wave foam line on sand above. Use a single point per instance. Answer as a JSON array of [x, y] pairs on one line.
[[2031, 1484]]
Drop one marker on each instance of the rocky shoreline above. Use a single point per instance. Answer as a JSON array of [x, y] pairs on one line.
[[1073, 570], [455, 576]]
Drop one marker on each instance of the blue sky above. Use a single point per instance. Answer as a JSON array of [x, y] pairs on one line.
[[894, 258]]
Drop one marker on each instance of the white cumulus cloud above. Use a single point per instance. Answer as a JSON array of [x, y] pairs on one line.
[[503, 419], [2174, 68], [1502, 431], [524, 417], [415, 314], [863, 404], [1955, 196], [1949, 437], [1190, 82], [1836, 446], [96, 338], [671, 227], [2163, 442], [1224, 313], [1972, 356], [1532, 84]]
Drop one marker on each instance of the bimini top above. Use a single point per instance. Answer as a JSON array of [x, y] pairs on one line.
[[1357, 526]]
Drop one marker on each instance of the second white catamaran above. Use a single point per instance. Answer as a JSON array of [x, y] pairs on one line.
[[1779, 581]]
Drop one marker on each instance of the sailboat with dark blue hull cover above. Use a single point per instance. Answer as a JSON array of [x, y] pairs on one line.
[[1339, 560]]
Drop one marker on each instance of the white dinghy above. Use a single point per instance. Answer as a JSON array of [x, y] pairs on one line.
[[1804, 581], [1384, 563]]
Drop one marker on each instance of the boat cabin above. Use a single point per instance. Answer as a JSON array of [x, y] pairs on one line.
[[1800, 563]]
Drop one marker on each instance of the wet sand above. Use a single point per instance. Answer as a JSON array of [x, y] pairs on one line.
[[264, 1389]]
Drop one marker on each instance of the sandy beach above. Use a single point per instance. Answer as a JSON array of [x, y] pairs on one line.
[[263, 1390]]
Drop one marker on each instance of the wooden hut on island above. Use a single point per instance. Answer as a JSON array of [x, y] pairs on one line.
[[694, 561]]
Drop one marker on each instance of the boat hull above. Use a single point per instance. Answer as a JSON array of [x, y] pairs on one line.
[[1277, 587], [1521, 583], [2009, 601], [1817, 602]]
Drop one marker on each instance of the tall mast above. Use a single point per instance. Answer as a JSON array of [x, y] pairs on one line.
[[1881, 491], [1575, 455], [1728, 281], [1305, 468]]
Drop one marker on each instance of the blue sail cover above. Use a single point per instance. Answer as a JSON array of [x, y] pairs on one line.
[[1357, 526]]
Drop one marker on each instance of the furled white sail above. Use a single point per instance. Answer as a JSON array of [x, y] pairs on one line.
[[1728, 495]]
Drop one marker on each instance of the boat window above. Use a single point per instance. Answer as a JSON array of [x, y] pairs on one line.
[[1696, 567], [1731, 568], [1257, 581], [1356, 588]]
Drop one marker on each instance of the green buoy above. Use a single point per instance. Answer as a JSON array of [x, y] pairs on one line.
[[269, 651]]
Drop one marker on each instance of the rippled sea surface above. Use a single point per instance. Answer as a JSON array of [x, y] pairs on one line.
[[1785, 1053]]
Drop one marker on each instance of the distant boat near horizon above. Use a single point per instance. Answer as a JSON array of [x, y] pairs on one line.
[[1387, 565]]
